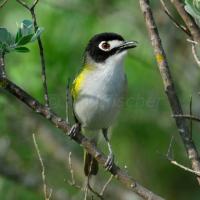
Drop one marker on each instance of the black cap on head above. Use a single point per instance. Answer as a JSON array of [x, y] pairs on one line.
[[96, 53]]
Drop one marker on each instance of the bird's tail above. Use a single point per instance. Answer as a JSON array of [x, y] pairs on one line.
[[90, 164]]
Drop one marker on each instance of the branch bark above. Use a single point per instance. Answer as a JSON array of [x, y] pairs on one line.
[[60, 123], [188, 19], [169, 86]]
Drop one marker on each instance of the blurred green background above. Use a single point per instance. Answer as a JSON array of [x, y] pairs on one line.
[[141, 135]]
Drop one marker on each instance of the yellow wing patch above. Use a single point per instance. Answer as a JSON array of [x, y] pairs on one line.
[[79, 80]]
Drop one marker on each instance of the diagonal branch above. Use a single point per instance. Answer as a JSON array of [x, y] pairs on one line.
[[169, 86], [188, 19], [183, 28], [3, 3], [60, 123]]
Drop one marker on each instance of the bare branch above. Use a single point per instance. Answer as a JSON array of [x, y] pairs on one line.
[[91, 148], [34, 4], [2, 67], [186, 116], [195, 55], [23, 4], [72, 182], [169, 86], [181, 27], [27, 6], [43, 63], [170, 150], [184, 168], [169, 156], [71, 169], [3, 3], [41, 49], [46, 195], [188, 19]]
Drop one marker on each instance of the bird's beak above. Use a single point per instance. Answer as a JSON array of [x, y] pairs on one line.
[[127, 45]]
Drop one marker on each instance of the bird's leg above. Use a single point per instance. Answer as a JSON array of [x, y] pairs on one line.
[[75, 129], [110, 159]]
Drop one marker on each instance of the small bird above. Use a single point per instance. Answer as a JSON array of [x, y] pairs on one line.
[[99, 89]]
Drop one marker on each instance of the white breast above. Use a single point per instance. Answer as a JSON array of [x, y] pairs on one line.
[[101, 96]]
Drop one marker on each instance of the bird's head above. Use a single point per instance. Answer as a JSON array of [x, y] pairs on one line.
[[107, 46]]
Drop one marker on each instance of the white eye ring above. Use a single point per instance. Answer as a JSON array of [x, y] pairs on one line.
[[105, 46]]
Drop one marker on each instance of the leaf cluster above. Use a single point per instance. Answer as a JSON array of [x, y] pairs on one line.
[[24, 35], [193, 8]]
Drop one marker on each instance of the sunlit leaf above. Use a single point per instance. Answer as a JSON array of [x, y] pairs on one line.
[[26, 27]]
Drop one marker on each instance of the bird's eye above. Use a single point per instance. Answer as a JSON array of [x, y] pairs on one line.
[[105, 46]]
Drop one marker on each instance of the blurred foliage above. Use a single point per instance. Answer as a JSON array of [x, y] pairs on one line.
[[144, 128]]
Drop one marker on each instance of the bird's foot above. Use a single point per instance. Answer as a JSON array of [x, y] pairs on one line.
[[109, 162], [75, 129]]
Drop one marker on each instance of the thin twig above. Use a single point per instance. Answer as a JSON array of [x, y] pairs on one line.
[[72, 182], [46, 195], [23, 4], [41, 49], [185, 168], [188, 19], [187, 116], [106, 185], [88, 182], [34, 4], [191, 119], [92, 190], [71, 169], [168, 82], [170, 150], [3, 3], [86, 192], [181, 27], [27, 6], [43, 63], [169, 156], [194, 52]]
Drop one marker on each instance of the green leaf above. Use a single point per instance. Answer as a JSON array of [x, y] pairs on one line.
[[26, 27], [24, 40], [18, 35], [5, 36], [37, 34], [26, 24], [22, 49]]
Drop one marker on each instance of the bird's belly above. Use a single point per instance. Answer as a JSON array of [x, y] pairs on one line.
[[97, 112]]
